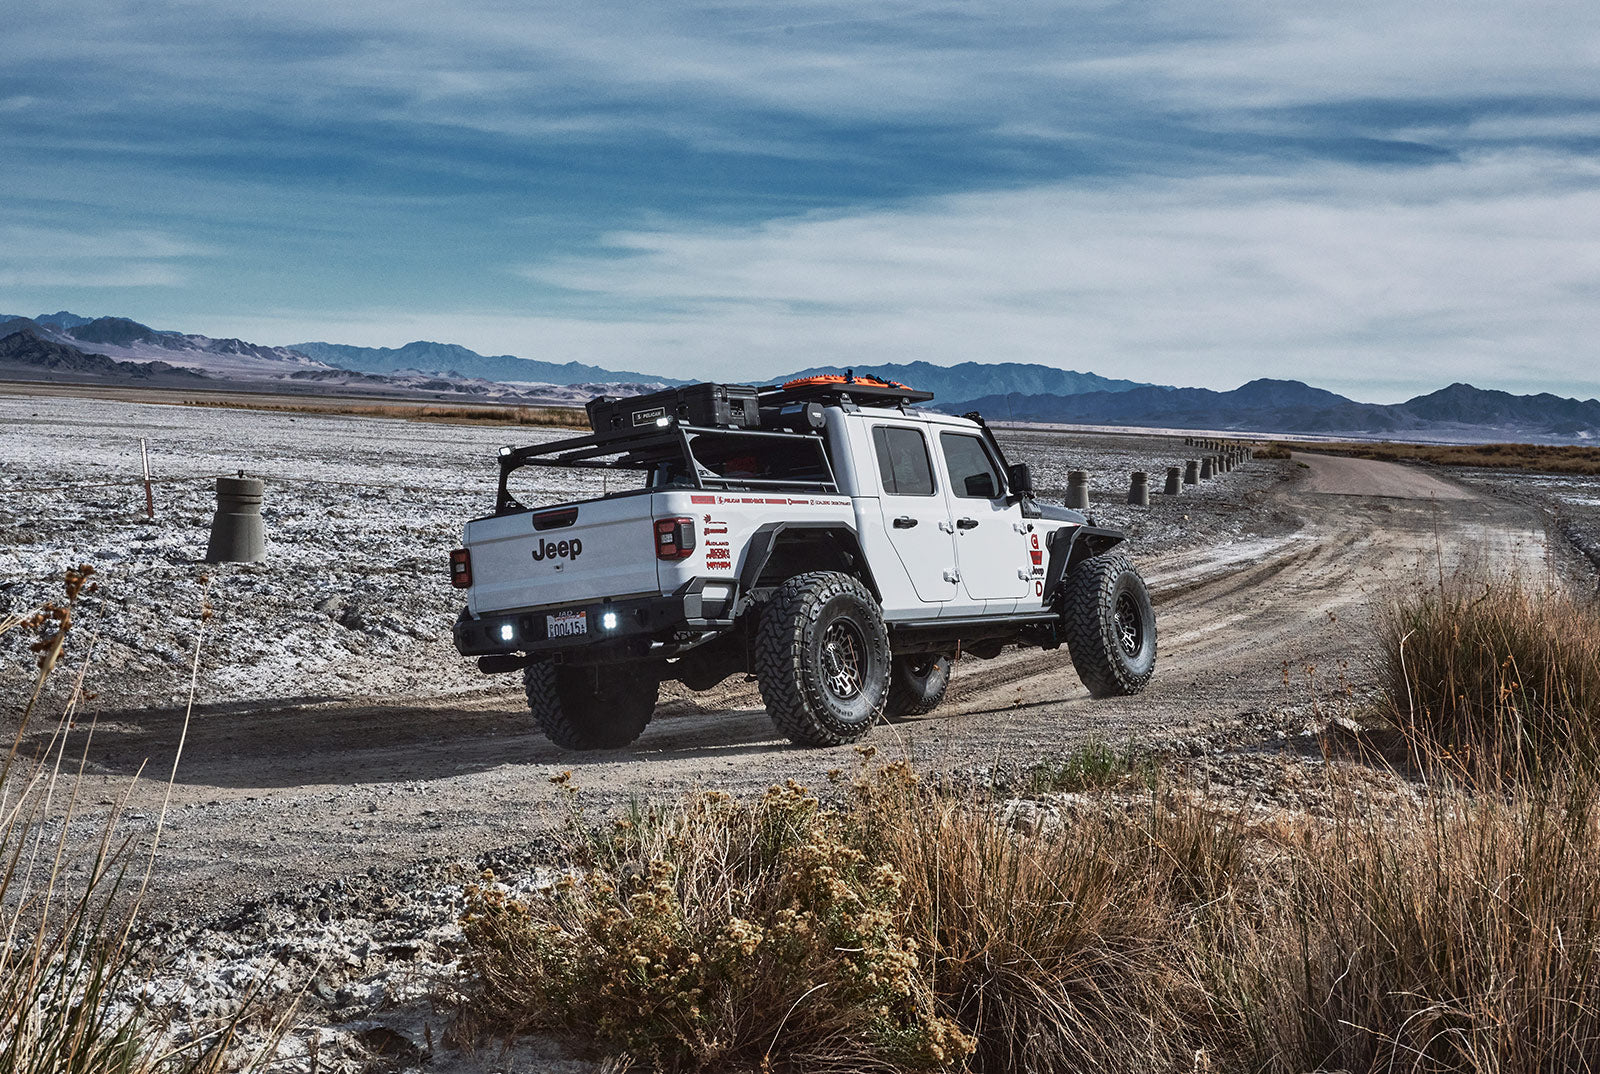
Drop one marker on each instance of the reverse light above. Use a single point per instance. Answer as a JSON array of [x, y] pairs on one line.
[[461, 568], [508, 632], [674, 538], [608, 621]]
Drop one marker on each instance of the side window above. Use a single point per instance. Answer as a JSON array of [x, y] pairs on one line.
[[972, 474], [903, 461]]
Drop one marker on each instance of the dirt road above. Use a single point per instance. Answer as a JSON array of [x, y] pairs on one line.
[[1254, 636]]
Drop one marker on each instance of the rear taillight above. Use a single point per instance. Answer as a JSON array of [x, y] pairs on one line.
[[674, 538], [461, 568]]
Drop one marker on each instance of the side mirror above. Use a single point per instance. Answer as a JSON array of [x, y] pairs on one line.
[[1020, 478]]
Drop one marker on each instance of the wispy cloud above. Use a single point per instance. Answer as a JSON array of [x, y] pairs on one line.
[[58, 257]]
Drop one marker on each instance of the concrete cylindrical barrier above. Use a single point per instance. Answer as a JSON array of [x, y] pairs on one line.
[[236, 533], [1139, 489], [1206, 468], [1078, 488], [1191, 471], [1174, 481]]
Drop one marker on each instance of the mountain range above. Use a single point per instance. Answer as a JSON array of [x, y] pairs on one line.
[[66, 346], [451, 359], [1459, 411]]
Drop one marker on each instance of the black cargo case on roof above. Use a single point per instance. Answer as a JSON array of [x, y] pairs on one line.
[[726, 406]]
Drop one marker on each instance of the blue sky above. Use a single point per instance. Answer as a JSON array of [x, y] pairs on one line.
[[1378, 198]]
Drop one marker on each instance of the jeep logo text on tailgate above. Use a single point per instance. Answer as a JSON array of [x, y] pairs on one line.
[[571, 549]]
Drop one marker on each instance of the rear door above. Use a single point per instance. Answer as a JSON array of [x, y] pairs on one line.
[[991, 540], [563, 555], [916, 515]]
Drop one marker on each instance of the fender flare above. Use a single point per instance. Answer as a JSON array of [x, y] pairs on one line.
[[764, 541], [1070, 546]]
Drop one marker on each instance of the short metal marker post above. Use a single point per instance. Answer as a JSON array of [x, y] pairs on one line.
[[149, 496]]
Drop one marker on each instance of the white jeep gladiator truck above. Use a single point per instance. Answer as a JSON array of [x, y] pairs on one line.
[[826, 536]]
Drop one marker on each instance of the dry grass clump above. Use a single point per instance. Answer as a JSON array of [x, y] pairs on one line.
[[1495, 671], [1459, 934]]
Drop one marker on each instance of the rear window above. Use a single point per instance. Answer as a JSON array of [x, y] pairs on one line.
[[903, 461], [736, 458]]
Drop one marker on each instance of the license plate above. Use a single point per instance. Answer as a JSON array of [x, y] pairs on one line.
[[566, 624]]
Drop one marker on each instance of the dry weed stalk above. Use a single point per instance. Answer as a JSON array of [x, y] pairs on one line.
[[66, 976]]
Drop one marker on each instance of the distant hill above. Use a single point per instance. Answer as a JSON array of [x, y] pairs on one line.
[[1288, 406], [952, 384], [453, 360], [23, 351]]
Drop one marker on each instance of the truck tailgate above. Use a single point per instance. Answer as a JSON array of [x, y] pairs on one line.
[[563, 555]]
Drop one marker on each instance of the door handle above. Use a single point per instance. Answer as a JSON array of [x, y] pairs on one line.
[[967, 523], [904, 522]]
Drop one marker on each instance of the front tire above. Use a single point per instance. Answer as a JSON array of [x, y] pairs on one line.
[[1110, 625], [590, 708], [822, 659], [917, 684]]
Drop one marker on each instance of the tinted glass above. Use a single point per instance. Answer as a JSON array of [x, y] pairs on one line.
[[972, 475], [903, 461], [764, 459]]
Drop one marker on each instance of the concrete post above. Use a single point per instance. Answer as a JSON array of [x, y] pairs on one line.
[[1174, 481], [1078, 488], [236, 533], [1139, 489], [1206, 469], [1191, 471]]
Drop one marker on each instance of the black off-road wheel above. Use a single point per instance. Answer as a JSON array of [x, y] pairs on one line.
[[917, 684], [1110, 625], [822, 659], [591, 708]]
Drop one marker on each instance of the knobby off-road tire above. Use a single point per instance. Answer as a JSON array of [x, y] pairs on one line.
[[1110, 625], [822, 659], [590, 708], [917, 684]]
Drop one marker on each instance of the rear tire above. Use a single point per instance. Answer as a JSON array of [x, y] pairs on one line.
[[1110, 625], [590, 708], [917, 684], [822, 659]]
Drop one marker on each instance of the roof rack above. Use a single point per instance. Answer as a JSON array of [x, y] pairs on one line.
[[833, 388]]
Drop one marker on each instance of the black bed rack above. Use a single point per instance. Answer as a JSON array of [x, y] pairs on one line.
[[667, 445]]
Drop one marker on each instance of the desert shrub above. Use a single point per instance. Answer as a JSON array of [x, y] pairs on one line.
[[719, 933], [1095, 765], [900, 929], [1495, 671]]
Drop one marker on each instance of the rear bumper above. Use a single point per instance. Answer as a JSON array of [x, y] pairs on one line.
[[612, 629]]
